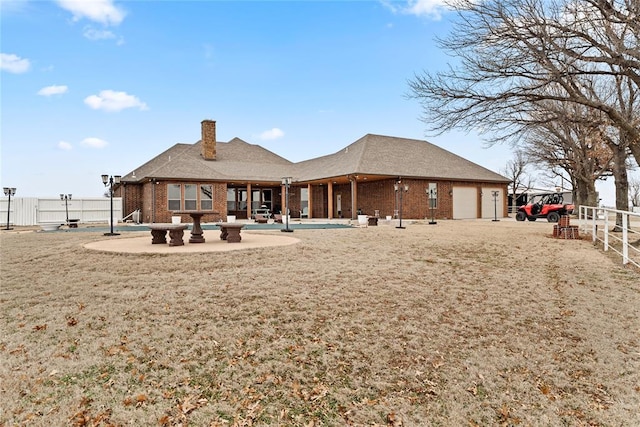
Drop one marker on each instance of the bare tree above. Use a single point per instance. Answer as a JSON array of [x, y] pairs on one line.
[[516, 171], [566, 137], [516, 54], [634, 192]]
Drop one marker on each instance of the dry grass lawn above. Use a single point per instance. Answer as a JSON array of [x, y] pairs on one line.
[[467, 323]]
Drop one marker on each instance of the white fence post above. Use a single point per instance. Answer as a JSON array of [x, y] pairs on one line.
[[625, 239], [594, 228], [614, 240], [606, 232]]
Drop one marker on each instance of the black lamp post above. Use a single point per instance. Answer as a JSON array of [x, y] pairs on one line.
[[66, 198], [399, 187], [495, 195], [108, 181], [9, 191], [287, 183]]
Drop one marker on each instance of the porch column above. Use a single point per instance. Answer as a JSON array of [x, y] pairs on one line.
[[283, 201], [310, 201], [354, 198], [330, 199], [249, 200]]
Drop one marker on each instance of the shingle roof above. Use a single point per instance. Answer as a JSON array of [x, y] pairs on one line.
[[392, 156], [237, 160]]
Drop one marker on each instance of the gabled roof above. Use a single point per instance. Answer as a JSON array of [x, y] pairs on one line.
[[380, 155], [392, 156]]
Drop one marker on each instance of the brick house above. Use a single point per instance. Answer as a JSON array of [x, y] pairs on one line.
[[369, 176]]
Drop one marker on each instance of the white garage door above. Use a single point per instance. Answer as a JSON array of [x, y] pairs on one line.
[[465, 202], [488, 207]]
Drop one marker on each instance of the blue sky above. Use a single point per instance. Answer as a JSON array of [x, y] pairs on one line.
[[92, 87]]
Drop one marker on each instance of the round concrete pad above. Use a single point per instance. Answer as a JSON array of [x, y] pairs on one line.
[[141, 244]]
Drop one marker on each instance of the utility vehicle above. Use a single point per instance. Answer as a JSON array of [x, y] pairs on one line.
[[549, 206]]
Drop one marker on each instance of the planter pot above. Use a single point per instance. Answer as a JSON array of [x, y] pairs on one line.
[[362, 219], [231, 218], [49, 227], [176, 219]]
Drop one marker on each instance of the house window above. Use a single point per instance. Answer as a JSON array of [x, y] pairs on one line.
[[242, 199], [190, 197], [255, 200], [236, 199], [174, 197], [433, 195], [266, 199], [261, 199], [206, 197], [231, 199]]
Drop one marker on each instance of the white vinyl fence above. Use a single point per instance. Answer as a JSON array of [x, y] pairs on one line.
[[600, 223], [33, 211]]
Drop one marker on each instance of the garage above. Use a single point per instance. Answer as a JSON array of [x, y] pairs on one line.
[[465, 202], [489, 206]]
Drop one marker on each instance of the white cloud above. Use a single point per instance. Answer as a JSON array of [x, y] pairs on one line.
[[53, 90], [427, 8], [94, 34], [112, 101], [64, 145], [270, 134], [94, 142], [430, 8], [102, 11], [13, 63]]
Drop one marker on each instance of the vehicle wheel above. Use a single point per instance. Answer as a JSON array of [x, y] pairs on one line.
[[521, 216], [553, 217], [531, 218]]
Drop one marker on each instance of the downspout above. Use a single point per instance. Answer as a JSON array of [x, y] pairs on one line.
[[122, 199], [153, 200]]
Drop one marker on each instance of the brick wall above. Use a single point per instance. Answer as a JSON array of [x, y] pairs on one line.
[[381, 196], [372, 196], [132, 198], [319, 206], [147, 201], [151, 198]]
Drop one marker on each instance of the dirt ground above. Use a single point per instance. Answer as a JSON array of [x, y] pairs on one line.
[[466, 323]]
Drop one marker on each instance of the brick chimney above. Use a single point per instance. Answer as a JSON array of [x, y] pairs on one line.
[[209, 139]]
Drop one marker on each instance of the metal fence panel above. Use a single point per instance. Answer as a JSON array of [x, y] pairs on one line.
[[621, 238], [29, 211]]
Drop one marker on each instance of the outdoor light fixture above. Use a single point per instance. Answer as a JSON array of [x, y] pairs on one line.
[[108, 181], [399, 187], [9, 191], [286, 182], [66, 198], [495, 195]]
